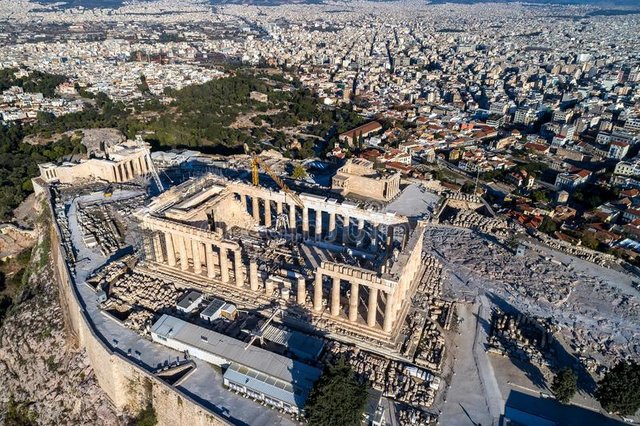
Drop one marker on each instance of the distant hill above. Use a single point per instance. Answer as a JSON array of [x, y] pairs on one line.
[[604, 3]]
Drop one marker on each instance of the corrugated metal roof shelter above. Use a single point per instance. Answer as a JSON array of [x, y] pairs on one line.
[[274, 375], [301, 345]]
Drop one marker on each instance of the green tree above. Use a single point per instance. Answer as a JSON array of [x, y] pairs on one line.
[[564, 385], [540, 196], [299, 172], [589, 240], [468, 187], [619, 390], [337, 399], [547, 226]]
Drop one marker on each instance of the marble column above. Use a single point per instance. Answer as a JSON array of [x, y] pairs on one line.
[[268, 288], [211, 272], [141, 166], [224, 265], [197, 262], [136, 166], [332, 226], [302, 291], [354, 301], [243, 201], [317, 293], [388, 313], [267, 213], [346, 220], [278, 208], [335, 297], [374, 237], [171, 251], [255, 206], [360, 233], [237, 265], [318, 229], [292, 219], [157, 248], [182, 246], [305, 223], [372, 307], [253, 275]]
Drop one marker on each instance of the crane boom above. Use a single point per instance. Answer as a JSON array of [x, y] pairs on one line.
[[256, 163]]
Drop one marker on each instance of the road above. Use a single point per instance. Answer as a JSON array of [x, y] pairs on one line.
[[473, 397]]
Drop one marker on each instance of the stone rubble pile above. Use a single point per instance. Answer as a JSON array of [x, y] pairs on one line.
[[411, 416], [125, 207], [428, 317], [391, 377], [522, 337], [431, 349], [141, 297], [601, 259], [429, 291], [532, 276], [99, 229], [473, 220], [63, 224], [597, 314]]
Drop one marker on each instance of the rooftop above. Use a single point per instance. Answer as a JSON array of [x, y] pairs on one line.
[[300, 376]]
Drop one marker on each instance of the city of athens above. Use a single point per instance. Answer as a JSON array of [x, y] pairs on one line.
[[319, 212]]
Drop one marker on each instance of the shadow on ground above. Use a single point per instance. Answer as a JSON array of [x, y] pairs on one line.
[[558, 354], [528, 410]]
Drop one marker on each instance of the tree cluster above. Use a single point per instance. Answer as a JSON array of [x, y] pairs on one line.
[[19, 163], [35, 82]]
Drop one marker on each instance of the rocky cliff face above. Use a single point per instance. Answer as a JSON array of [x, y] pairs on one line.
[[42, 376]]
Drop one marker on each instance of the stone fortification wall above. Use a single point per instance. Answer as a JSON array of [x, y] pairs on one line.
[[126, 384]]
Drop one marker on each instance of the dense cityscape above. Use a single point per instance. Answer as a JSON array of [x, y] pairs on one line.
[[323, 213]]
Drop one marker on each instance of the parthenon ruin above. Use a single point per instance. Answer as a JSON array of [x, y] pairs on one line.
[[353, 268]]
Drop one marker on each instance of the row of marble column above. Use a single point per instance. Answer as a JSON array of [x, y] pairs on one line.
[[331, 234], [216, 263], [335, 307], [393, 187], [128, 170], [204, 256]]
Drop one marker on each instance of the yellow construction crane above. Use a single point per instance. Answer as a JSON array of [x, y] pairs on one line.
[[256, 164]]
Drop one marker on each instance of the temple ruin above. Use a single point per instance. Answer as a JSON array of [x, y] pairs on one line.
[[345, 269]]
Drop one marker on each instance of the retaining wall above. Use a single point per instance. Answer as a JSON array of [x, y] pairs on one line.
[[128, 385]]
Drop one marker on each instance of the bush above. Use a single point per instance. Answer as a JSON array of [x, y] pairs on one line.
[[298, 172], [146, 417], [18, 415]]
